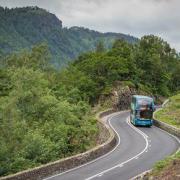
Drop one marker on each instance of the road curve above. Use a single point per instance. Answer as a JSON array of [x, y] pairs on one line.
[[137, 151]]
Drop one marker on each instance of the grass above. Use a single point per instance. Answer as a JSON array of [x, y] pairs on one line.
[[167, 167], [170, 114], [160, 165]]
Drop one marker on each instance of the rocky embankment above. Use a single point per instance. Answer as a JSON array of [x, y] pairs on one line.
[[120, 97]]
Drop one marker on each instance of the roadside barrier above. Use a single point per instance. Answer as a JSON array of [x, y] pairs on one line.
[[68, 163], [170, 129], [166, 127], [108, 142]]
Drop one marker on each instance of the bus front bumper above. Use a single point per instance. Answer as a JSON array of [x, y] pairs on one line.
[[142, 122]]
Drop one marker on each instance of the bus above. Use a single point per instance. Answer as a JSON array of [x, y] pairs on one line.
[[142, 108]]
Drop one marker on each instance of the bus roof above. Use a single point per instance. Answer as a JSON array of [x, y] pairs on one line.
[[142, 97]]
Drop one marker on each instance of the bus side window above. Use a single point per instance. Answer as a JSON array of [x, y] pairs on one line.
[[134, 103], [132, 107]]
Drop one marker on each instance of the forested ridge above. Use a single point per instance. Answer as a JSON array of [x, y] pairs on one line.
[[28, 26], [46, 114]]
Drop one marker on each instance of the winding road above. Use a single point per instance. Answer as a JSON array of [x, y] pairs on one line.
[[137, 150]]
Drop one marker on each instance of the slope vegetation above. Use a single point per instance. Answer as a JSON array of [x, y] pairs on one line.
[[171, 113], [45, 113], [169, 167]]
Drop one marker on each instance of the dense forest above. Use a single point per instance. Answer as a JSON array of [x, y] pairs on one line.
[[39, 120], [151, 65], [45, 113], [26, 27]]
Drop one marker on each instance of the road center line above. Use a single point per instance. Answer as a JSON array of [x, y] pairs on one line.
[[121, 164], [78, 167]]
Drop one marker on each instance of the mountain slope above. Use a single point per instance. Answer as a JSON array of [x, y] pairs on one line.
[[25, 27]]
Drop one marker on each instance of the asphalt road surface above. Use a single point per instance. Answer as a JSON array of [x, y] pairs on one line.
[[137, 150]]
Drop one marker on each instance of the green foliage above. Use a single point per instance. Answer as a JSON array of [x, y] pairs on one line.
[[100, 47], [5, 83], [38, 58], [171, 113], [158, 63], [45, 114], [150, 65], [164, 164], [40, 120], [102, 70]]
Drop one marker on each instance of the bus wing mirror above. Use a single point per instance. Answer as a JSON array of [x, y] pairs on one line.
[[155, 108]]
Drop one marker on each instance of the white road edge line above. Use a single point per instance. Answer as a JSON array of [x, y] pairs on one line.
[[177, 139], [119, 141], [146, 139]]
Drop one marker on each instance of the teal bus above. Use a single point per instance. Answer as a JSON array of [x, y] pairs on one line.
[[142, 108]]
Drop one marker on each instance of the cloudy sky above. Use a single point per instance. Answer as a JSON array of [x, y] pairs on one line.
[[135, 17]]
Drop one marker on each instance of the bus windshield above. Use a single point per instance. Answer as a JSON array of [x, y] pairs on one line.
[[145, 107], [142, 108], [144, 103], [146, 114]]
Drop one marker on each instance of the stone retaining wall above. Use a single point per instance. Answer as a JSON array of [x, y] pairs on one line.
[[170, 129], [142, 176], [71, 162]]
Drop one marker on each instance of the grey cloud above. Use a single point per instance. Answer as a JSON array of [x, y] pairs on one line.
[[136, 17]]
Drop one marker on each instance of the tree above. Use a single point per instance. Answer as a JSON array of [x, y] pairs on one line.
[[44, 107], [38, 58], [100, 47]]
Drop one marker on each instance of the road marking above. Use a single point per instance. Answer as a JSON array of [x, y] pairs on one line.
[[109, 119], [121, 164], [119, 141], [176, 138]]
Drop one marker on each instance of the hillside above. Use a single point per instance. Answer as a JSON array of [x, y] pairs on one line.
[[26, 27], [53, 109]]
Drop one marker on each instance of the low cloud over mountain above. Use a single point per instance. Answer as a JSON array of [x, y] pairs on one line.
[[136, 17]]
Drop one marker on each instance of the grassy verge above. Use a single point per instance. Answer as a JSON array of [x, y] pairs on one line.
[[169, 167], [171, 113]]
